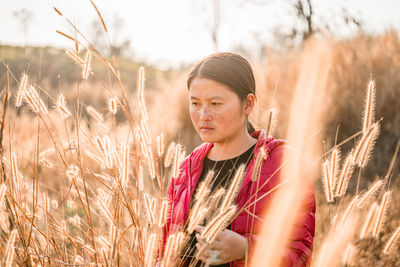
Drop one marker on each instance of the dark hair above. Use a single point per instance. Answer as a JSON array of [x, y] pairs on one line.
[[229, 69]]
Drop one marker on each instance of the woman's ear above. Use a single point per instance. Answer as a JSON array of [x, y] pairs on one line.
[[249, 104]]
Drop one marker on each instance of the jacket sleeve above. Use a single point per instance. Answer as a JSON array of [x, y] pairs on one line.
[[258, 196], [172, 194], [170, 209], [299, 249]]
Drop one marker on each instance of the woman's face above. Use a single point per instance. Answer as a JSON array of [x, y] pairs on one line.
[[216, 111]]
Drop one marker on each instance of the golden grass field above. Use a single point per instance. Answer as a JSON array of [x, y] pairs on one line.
[[85, 167]]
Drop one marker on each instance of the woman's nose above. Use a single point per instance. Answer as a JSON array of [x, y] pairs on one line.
[[205, 114]]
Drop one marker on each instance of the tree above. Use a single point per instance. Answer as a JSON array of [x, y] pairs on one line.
[[117, 45], [307, 24], [216, 8], [213, 20], [25, 18], [305, 12]]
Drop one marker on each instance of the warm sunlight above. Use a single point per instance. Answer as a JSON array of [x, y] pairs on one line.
[[190, 133]]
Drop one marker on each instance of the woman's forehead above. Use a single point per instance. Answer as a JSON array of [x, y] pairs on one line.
[[207, 88]]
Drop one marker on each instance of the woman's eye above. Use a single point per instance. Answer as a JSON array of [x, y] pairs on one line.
[[195, 104], [215, 103]]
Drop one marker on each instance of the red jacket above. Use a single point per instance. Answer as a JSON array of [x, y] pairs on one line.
[[181, 189]]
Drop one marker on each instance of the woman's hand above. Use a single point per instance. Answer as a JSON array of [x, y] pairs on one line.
[[228, 246]]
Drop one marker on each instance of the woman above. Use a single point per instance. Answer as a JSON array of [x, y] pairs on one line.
[[222, 96]]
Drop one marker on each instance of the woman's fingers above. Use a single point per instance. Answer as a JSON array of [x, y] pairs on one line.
[[199, 229], [207, 252], [208, 255], [202, 251], [200, 240], [216, 245], [220, 235], [203, 259]]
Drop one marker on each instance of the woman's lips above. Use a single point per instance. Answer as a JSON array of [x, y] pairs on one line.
[[206, 129]]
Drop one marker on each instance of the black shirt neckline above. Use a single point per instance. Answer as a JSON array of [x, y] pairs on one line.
[[234, 158]]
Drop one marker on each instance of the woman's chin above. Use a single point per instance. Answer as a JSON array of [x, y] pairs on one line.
[[207, 138]]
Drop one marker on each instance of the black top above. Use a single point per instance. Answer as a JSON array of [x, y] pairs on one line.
[[224, 173]]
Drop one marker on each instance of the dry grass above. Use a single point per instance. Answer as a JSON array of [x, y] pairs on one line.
[[369, 250], [80, 187]]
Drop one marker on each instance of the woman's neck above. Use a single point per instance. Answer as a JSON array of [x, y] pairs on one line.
[[232, 147]]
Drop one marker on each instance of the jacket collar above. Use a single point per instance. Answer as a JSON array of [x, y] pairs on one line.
[[195, 163], [199, 154]]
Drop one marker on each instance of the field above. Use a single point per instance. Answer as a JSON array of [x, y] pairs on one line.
[[86, 158]]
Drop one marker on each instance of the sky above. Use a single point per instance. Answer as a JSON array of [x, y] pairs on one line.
[[170, 32]]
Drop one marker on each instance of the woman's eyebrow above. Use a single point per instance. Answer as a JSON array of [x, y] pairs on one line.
[[216, 97], [210, 98]]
